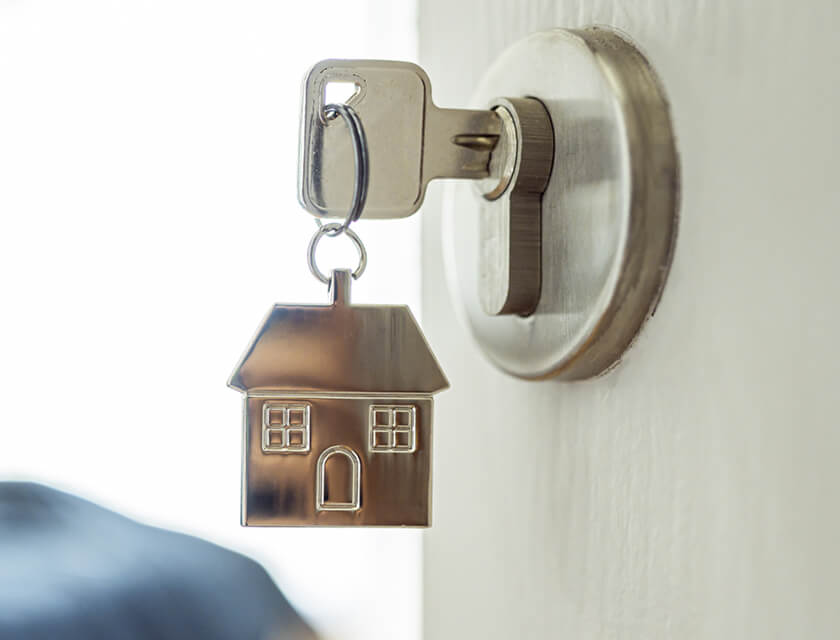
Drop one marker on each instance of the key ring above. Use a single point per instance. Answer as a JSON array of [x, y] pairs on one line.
[[360, 154], [360, 187], [332, 230]]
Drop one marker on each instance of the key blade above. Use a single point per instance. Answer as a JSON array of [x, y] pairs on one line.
[[458, 143]]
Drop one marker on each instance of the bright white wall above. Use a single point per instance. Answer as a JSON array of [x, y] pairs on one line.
[[148, 219]]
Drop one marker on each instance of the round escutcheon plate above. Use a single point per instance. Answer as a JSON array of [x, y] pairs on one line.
[[609, 214]]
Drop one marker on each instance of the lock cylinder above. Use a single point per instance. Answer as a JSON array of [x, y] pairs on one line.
[[510, 220]]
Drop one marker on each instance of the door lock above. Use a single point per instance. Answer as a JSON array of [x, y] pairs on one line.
[[560, 248]]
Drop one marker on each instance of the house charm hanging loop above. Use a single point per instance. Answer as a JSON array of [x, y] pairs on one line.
[[338, 415]]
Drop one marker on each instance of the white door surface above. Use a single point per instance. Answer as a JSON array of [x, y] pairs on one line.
[[693, 492]]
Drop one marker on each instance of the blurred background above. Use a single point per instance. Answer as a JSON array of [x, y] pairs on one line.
[[148, 220]]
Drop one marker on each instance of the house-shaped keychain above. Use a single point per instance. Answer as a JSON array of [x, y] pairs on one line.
[[338, 415]]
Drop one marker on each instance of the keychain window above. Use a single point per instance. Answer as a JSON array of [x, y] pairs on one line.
[[392, 429], [285, 428]]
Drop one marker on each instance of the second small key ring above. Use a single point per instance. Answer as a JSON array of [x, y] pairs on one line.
[[332, 229], [360, 153]]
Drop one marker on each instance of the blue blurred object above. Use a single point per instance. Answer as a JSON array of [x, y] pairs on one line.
[[70, 569]]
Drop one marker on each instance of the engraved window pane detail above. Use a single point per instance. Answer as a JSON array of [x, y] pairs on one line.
[[392, 429], [285, 427]]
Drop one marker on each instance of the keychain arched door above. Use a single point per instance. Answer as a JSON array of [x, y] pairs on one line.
[[338, 479]]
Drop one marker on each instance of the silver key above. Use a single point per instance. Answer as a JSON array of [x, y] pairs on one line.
[[410, 140]]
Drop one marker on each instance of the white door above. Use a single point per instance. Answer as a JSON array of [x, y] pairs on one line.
[[694, 491]]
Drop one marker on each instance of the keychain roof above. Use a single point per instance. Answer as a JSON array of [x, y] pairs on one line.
[[340, 347]]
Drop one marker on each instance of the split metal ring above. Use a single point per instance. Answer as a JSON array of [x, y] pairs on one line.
[[360, 154], [333, 229]]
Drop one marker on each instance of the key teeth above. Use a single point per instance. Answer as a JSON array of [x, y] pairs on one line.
[[476, 142]]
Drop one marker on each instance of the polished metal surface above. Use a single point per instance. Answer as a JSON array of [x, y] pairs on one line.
[[410, 141], [609, 212], [338, 415], [510, 219]]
